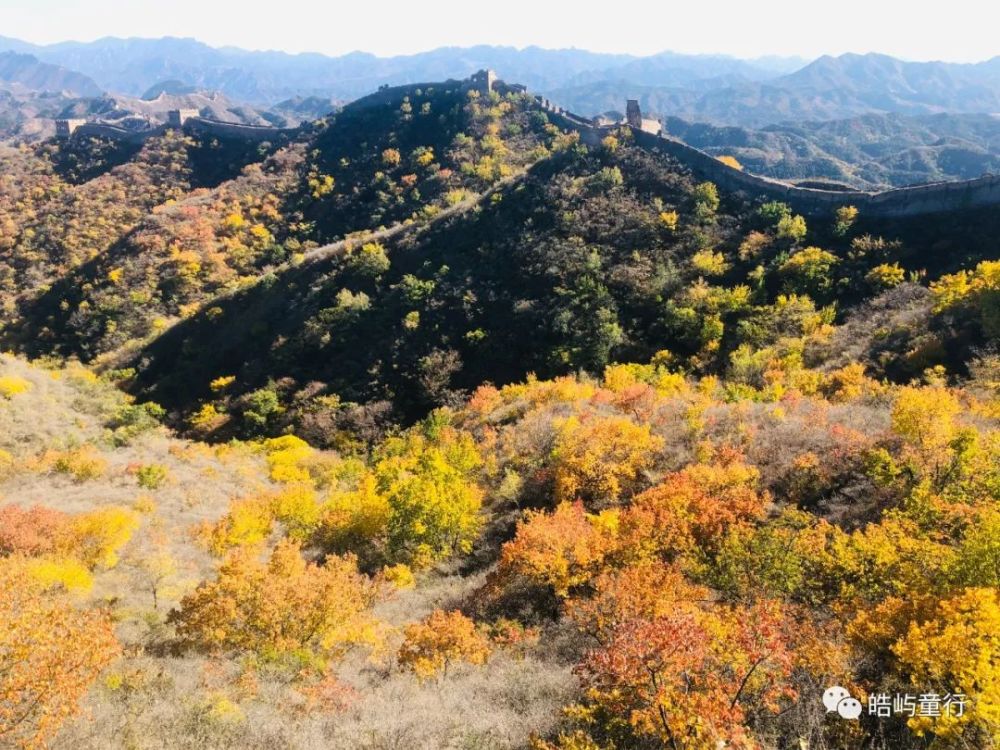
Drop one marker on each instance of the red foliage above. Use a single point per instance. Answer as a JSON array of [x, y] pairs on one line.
[[33, 531]]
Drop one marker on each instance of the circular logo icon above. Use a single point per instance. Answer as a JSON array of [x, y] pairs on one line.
[[849, 708], [834, 695]]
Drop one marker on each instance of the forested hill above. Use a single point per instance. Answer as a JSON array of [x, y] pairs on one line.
[[443, 429], [477, 242]]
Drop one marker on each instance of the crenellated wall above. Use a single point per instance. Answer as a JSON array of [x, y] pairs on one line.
[[904, 201], [390, 95], [196, 125], [222, 129], [103, 130]]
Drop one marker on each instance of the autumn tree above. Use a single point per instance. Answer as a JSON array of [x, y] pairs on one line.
[[885, 276], [808, 271], [844, 219], [692, 507], [976, 292], [792, 228], [769, 560], [32, 531], [368, 261], [432, 645], [562, 549], [157, 568], [925, 417], [355, 520], [99, 535], [689, 678], [730, 161], [977, 554], [50, 654], [706, 201], [433, 499], [644, 590], [955, 652], [282, 607], [600, 459]]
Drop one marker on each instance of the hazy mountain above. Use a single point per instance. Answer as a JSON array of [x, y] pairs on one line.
[[15, 45], [211, 104], [29, 72], [684, 71], [710, 88], [132, 66], [868, 151], [301, 108], [828, 88], [171, 88], [886, 83], [28, 114]]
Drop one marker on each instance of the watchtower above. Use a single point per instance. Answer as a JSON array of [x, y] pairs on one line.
[[177, 117], [65, 128], [483, 81], [633, 115]]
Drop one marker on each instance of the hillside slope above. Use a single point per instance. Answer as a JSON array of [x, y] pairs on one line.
[[437, 428], [472, 240]]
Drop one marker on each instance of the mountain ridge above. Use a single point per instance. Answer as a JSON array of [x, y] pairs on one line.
[[29, 71], [718, 89]]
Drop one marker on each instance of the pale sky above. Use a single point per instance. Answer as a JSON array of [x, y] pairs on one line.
[[959, 30]]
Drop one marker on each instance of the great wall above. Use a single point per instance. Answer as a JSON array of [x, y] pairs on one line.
[[177, 119], [905, 201], [647, 133]]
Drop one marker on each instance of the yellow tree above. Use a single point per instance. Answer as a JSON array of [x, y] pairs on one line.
[[597, 459], [433, 500], [925, 418], [956, 651], [50, 653], [441, 639], [280, 607], [730, 161]]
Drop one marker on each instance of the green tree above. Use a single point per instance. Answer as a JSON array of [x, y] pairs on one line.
[[792, 228]]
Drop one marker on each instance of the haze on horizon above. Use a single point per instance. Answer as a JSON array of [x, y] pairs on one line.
[[391, 27]]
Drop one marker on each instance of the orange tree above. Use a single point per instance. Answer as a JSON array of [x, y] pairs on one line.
[[441, 639], [284, 607], [50, 653], [687, 676], [562, 549]]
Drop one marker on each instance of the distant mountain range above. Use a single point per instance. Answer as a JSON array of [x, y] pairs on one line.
[[28, 72], [131, 66], [34, 93], [827, 88], [865, 120], [709, 88], [869, 151]]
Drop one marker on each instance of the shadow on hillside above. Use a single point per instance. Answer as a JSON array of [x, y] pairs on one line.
[[290, 324]]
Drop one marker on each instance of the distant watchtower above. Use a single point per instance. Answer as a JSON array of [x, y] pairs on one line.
[[65, 128], [633, 115], [483, 81], [177, 117]]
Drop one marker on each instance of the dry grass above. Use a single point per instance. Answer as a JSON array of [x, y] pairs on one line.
[[155, 699], [195, 702]]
